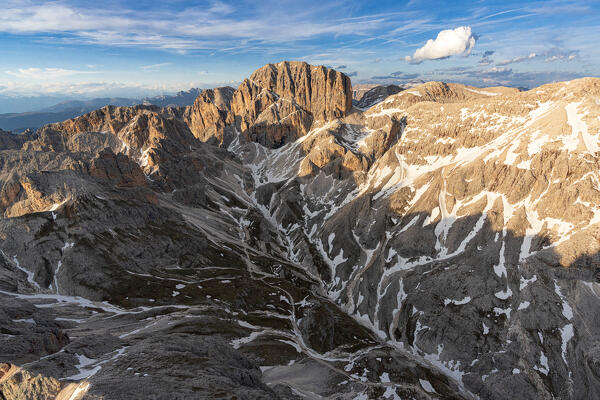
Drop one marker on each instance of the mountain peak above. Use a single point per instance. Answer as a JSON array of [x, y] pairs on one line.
[[277, 104]]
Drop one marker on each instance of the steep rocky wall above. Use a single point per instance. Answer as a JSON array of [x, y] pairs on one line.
[[210, 114], [284, 99]]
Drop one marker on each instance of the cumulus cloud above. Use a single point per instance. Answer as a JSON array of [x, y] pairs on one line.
[[448, 43], [351, 74]]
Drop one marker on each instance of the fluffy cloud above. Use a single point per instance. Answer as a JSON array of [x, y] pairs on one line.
[[448, 43]]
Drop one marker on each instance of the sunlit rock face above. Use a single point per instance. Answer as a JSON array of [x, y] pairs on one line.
[[210, 115], [274, 242], [280, 102]]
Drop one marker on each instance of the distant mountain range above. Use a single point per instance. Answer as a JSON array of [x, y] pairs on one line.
[[19, 122]]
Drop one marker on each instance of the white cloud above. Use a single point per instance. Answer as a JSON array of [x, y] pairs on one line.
[[559, 57], [42, 74], [154, 67], [95, 89], [216, 27], [530, 56], [551, 55], [448, 43]]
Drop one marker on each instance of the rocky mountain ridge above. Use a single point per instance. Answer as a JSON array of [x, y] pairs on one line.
[[272, 241], [19, 122]]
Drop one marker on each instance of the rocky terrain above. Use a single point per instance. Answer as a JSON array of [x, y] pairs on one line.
[[374, 95], [273, 241]]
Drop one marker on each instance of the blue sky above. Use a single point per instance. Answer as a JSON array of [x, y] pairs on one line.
[[133, 48]]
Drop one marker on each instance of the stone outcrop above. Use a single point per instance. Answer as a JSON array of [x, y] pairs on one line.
[[325, 93], [10, 141], [376, 95], [279, 102], [359, 90], [210, 114], [117, 168], [17, 383]]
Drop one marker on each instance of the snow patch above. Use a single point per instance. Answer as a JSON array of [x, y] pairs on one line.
[[457, 302], [505, 294], [499, 311], [524, 282], [426, 385]]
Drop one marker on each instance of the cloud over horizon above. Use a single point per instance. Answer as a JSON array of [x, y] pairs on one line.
[[43, 74], [548, 56], [449, 42]]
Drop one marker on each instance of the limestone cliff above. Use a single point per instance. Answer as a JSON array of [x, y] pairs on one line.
[[279, 102], [210, 114]]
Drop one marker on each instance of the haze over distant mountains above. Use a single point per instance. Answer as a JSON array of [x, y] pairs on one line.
[[62, 110]]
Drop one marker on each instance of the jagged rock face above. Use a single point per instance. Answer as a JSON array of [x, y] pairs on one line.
[[117, 168], [323, 92], [147, 133], [359, 90], [441, 244], [376, 95], [210, 114], [265, 118], [10, 141], [279, 102], [18, 384]]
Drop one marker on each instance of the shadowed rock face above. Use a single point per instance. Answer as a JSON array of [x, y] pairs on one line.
[[442, 243], [376, 95]]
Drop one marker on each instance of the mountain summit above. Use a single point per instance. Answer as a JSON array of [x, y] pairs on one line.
[[273, 241]]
